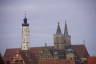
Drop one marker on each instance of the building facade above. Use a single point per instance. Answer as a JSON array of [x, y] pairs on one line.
[[63, 52]]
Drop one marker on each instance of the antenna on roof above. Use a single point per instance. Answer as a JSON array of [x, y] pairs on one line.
[[45, 44], [84, 42]]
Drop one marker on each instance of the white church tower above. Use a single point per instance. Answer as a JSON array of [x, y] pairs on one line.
[[25, 35]]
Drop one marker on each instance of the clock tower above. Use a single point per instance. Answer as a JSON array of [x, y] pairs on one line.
[[25, 35]]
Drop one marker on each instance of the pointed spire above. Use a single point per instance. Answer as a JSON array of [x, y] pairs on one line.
[[66, 29], [25, 19], [58, 29]]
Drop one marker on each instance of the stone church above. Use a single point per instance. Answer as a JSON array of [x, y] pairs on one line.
[[63, 52]]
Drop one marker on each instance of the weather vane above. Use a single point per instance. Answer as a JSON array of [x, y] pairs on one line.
[[25, 14]]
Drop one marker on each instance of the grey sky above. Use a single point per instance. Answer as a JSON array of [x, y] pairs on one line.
[[43, 16]]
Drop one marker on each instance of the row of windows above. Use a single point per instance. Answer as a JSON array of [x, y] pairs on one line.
[[48, 57]]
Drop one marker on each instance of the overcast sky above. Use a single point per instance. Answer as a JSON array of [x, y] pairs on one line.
[[43, 16]]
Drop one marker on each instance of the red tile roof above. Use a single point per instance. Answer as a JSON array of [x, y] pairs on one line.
[[35, 51], [9, 53], [80, 50], [77, 48], [56, 62], [92, 60]]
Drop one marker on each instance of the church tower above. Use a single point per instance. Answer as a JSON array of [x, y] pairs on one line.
[[25, 35], [62, 41], [67, 37], [58, 39]]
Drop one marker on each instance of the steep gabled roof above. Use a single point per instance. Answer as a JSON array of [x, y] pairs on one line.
[[79, 49], [9, 53]]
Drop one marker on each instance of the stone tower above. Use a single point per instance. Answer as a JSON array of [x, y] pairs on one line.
[[25, 35], [67, 37], [58, 38], [62, 41]]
